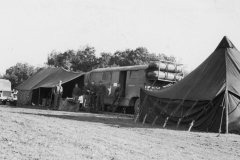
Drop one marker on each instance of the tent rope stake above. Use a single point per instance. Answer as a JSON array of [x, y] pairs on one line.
[[150, 110], [144, 118], [172, 114], [194, 120], [154, 121], [140, 110], [186, 114], [191, 125], [161, 112], [165, 123], [179, 121]]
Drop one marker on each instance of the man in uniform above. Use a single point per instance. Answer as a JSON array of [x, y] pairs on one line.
[[58, 90], [86, 91], [76, 92], [117, 97], [102, 90], [93, 90]]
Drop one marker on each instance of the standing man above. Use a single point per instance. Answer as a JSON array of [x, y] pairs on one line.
[[58, 90], [93, 91], [76, 92], [102, 90], [86, 91], [117, 97]]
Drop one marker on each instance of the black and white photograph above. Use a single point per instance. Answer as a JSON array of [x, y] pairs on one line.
[[119, 80]]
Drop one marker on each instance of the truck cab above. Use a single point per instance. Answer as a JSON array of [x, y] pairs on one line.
[[13, 98], [5, 90], [4, 96]]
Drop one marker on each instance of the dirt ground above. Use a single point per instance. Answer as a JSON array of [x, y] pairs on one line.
[[31, 133]]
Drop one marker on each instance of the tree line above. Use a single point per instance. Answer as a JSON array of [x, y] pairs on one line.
[[84, 60]]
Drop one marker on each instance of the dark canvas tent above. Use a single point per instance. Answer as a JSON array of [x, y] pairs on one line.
[[208, 97], [39, 85]]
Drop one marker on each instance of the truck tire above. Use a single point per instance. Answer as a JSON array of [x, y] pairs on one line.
[[3, 102], [14, 103], [136, 107]]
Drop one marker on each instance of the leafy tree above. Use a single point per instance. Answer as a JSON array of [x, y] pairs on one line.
[[84, 60], [167, 58], [130, 57], [104, 59], [19, 73], [61, 59]]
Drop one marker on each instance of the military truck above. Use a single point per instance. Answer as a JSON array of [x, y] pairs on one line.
[[154, 76], [5, 90]]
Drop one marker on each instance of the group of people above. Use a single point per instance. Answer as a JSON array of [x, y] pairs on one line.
[[93, 96]]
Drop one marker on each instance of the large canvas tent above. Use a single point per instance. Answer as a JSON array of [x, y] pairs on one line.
[[207, 99], [40, 85]]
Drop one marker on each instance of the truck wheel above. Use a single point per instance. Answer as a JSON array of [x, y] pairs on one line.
[[136, 107], [3, 102]]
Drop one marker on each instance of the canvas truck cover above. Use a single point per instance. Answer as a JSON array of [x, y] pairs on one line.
[[209, 96], [5, 85]]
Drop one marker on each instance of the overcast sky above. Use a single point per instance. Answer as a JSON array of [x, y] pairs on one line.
[[187, 29]]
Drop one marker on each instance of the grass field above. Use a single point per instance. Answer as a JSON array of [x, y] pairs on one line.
[[33, 133]]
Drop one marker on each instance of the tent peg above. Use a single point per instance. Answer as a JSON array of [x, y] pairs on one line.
[[191, 125], [154, 121], [179, 121], [165, 123], [136, 118], [144, 119]]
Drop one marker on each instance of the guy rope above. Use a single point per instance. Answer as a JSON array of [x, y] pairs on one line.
[[194, 120], [150, 110], [162, 112], [172, 114], [140, 109]]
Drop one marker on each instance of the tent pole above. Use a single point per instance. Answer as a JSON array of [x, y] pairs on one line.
[[50, 99], [39, 97], [226, 104]]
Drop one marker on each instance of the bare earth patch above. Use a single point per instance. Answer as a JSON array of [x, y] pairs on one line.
[[43, 134]]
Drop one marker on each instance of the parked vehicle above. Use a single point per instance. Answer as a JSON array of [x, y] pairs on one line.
[[13, 98], [131, 78], [5, 90]]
